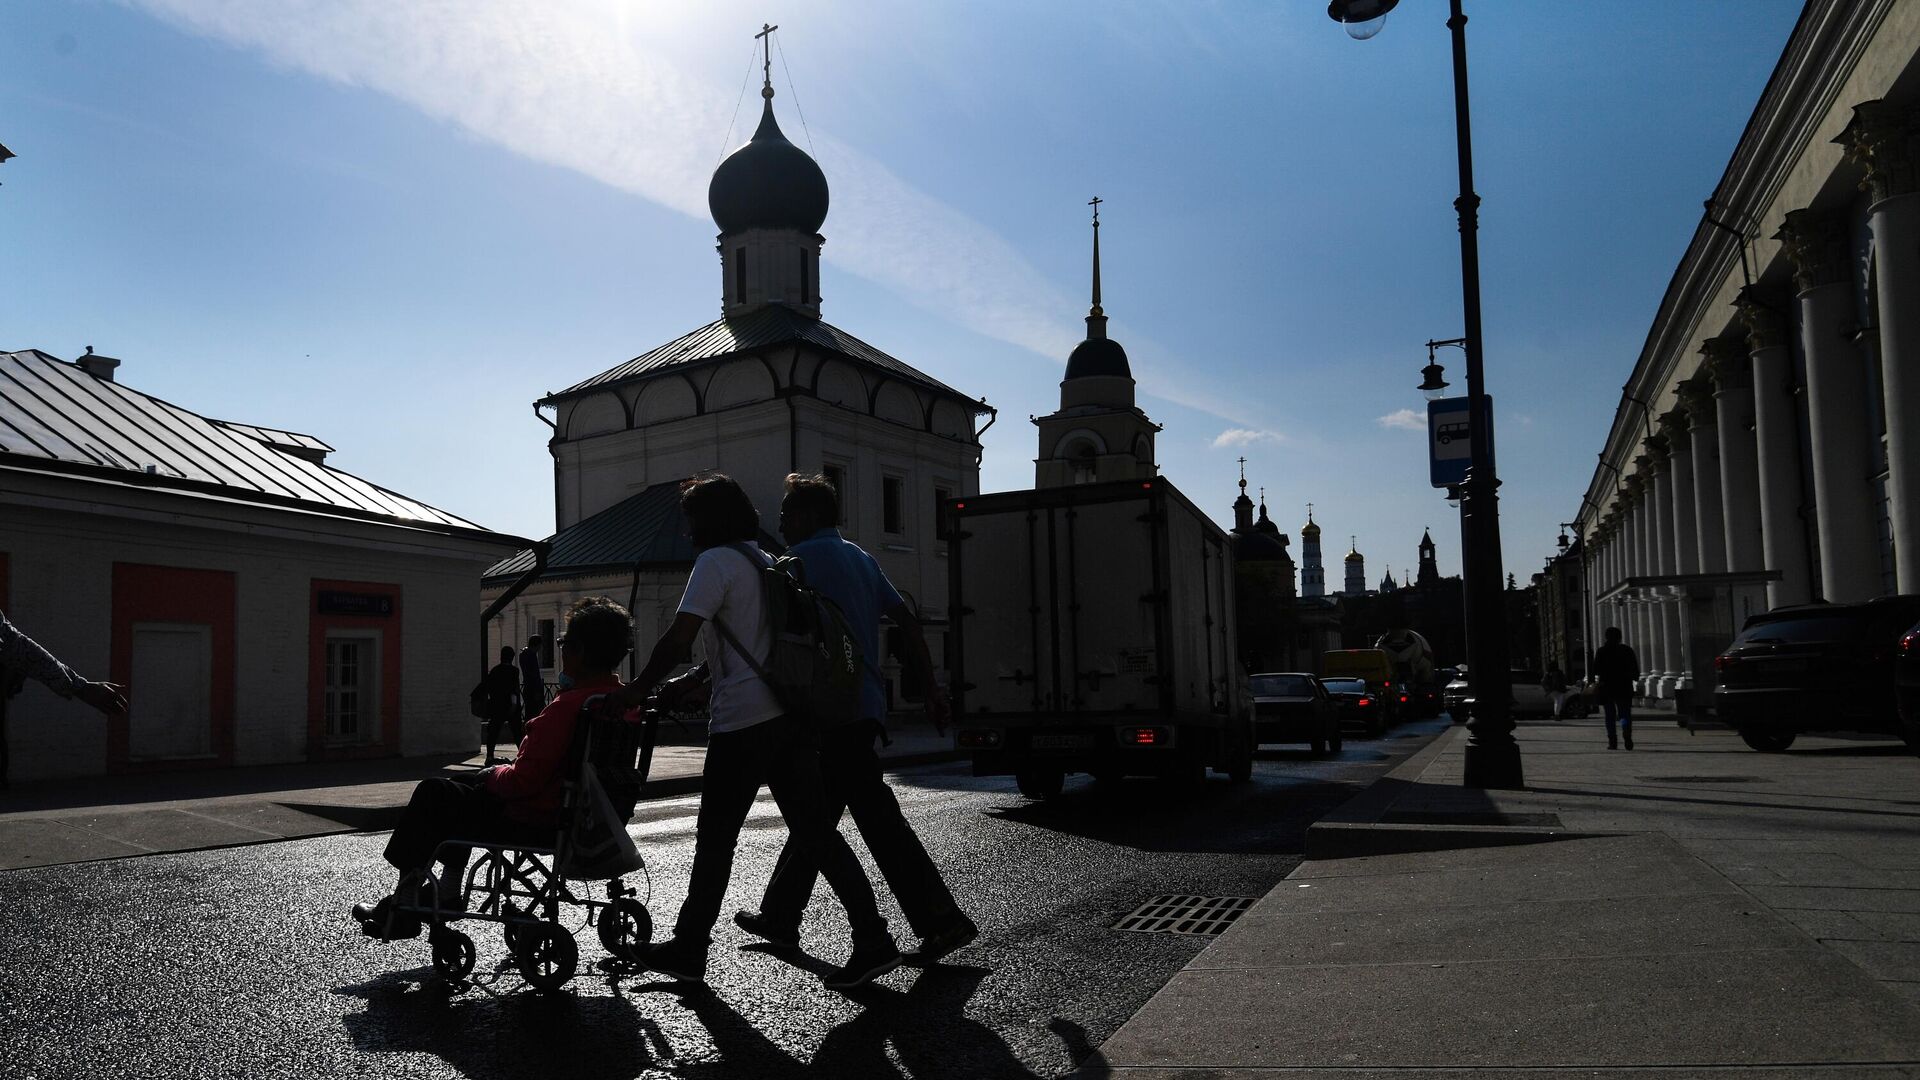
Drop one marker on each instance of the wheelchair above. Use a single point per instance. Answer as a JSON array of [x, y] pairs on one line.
[[527, 889]]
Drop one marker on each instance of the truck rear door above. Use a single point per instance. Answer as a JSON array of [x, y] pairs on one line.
[[1109, 606], [1004, 578]]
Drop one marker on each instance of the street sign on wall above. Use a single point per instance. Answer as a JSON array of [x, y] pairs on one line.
[[1449, 442]]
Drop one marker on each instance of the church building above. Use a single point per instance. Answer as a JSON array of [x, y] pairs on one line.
[[767, 389]]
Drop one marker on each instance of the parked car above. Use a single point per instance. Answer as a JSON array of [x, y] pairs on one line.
[[1355, 706], [1813, 667], [1294, 707], [1458, 697], [1906, 686]]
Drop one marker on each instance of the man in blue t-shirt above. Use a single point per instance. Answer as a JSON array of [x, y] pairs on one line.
[[850, 577]]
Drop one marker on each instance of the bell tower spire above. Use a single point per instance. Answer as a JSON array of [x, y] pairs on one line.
[[1096, 318]]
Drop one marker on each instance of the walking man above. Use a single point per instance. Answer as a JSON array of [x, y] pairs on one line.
[[1555, 684], [502, 688], [850, 577], [22, 658], [751, 741], [533, 687], [1616, 669]]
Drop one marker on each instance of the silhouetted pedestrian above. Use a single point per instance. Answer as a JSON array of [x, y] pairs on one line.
[[1616, 669], [503, 701], [850, 577], [751, 741], [533, 685], [1555, 684]]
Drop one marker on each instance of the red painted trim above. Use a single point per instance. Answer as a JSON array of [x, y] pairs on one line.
[[388, 745], [173, 594]]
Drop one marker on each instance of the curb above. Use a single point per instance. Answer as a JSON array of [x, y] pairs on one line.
[[1354, 829]]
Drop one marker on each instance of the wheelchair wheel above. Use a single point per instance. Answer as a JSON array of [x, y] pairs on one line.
[[453, 954], [626, 929], [546, 955]]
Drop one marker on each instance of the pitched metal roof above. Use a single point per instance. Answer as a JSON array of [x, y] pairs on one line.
[[769, 326], [646, 529], [57, 417]]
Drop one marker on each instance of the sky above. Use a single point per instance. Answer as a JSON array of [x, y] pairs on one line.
[[396, 225]]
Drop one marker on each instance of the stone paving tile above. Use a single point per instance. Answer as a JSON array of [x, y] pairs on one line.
[[43, 841], [1894, 961], [1797, 896], [1892, 925], [1832, 925]]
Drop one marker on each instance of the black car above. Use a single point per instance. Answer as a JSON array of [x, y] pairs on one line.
[[1293, 707], [1813, 667], [1906, 686], [1355, 706]]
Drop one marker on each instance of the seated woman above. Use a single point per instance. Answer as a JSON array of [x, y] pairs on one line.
[[517, 803]]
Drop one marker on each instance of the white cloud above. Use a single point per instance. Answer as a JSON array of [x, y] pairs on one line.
[[1404, 419], [1245, 437], [586, 85]]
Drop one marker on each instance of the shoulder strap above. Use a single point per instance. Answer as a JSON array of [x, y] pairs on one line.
[[720, 625]]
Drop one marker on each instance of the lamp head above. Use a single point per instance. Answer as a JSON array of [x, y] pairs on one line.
[[1360, 18], [1432, 383]]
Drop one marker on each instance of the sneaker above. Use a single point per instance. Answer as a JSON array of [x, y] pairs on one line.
[[680, 959], [958, 935], [380, 920], [867, 963], [757, 924], [1629, 741]]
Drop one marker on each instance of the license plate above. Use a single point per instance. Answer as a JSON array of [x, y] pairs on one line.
[[1062, 742]]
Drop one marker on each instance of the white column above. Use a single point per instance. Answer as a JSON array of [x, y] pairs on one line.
[[1666, 616], [1776, 436], [1739, 458], [1643, 643], [1836, 407], [1686, 556], [1886, 140], [1703, 436]]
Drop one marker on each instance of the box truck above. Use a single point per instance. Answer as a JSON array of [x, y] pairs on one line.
[[1093, 631]]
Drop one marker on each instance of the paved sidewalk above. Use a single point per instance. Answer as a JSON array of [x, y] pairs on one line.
[[63, 821], [1687, 909]]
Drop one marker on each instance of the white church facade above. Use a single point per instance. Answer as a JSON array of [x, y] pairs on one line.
[[767, 389]]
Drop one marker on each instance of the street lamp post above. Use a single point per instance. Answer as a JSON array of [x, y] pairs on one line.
[[1492, 755]]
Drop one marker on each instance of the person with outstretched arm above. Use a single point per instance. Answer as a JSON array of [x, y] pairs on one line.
[[845, 574], [752, 741]]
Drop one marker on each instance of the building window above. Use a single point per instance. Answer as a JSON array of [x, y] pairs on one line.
[[941, 522], [352, 692], [837, 476], [892, 508], [739, 275], [546, 643]]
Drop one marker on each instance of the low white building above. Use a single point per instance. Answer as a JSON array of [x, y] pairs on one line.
[[259, 606], [768, 389]]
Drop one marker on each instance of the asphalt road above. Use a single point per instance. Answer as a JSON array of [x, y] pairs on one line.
[[242, 962]]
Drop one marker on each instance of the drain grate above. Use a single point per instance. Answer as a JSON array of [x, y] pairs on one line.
[[1699, 779], [1173, 914]]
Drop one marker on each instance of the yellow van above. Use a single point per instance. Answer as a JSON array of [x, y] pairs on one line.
[[1373, 665]]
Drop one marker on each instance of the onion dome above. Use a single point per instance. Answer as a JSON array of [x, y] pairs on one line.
[[769, 183], [1309, 529], [1265, 524], [1355, 556]]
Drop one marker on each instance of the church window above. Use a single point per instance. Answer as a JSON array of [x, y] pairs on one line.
[[739, 275], [837, 476], [892, 509]]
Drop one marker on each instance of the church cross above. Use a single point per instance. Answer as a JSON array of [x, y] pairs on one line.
[[765, 37], [1243, 473], [1095, 203]]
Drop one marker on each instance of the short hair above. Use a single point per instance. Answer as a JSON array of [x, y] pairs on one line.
[[813, 496], [506, 653], [1613, 633], [533, 641], [718, 511], [599, 631]]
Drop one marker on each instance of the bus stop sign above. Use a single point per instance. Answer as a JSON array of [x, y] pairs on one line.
[[1449, 445]]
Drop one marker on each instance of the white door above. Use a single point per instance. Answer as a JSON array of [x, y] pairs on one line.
[[170, 707]]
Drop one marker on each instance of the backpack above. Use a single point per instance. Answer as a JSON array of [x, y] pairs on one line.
[[480, 701], [814, 669]]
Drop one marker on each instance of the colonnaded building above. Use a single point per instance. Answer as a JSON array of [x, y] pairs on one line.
[[767, 389], [1767, 450], [259, 605]]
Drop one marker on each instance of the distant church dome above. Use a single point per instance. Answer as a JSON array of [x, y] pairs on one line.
[[1355, 556], [769, 183]]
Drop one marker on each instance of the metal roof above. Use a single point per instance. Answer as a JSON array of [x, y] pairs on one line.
[[646, 529], [773, 325], [56, 416]]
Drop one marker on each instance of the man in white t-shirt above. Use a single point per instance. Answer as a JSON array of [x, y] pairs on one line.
[[750, 742]]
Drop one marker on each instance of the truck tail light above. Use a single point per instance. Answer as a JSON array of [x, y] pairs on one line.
[[1910, 644], [979, 738], [1144, 736], [1723, 662], [1365, 701]]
